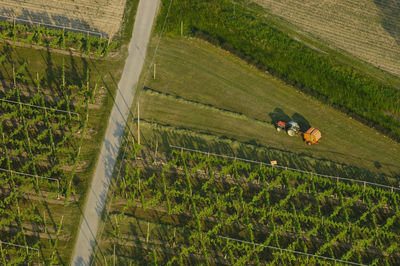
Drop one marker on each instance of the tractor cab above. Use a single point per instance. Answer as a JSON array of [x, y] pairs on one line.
[[291, 127]]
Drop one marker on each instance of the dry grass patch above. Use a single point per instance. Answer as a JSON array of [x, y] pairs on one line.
[[104, 16]]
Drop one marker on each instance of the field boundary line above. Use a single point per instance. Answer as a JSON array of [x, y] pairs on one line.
[[288, 168], [41, 107], [292, 251], [32, 22]]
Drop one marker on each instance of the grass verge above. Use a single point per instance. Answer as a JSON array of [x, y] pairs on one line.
[[198, 72]]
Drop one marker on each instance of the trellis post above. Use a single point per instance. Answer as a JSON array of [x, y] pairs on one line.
[[148, 232]]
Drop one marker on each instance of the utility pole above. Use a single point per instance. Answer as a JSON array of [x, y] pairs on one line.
[[181, 28], [138, 121]]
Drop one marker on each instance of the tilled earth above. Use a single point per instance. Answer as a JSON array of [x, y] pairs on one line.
[[102, 16]]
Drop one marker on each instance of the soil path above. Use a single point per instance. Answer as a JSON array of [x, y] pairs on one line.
[[98, 190]]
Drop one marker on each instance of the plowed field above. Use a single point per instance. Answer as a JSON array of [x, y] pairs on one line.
[[368, 29], [103, 16]]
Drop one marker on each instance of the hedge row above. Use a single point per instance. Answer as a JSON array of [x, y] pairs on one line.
[[237, 30]]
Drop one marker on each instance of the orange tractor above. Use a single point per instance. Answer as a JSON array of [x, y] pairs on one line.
[[311, 136]]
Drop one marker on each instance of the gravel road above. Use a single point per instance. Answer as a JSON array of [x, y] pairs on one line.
[[98, 190]]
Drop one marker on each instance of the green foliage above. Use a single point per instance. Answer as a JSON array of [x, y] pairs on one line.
[[237, 30], [41, 136], [263, 205], [55, 38]]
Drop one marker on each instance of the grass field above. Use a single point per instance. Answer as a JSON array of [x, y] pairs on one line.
[[211, 91], [367, 29]]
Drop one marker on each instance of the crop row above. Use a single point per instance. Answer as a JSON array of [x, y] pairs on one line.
[[39, 140], [40, 143], [21, 224], [55, 38], [342, 86], [261, 205]]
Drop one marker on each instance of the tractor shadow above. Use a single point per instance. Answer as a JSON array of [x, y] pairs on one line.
[[279, 115]]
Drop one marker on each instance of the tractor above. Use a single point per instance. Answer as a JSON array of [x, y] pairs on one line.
[[311, 136]]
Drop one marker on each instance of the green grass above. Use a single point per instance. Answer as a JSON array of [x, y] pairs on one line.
[[197, 71], [320, 75], [125, 34], [371, 29], [324, 46]]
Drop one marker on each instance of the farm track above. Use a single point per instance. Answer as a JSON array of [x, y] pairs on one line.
[[353, 26], [102, 16], [98, 190]]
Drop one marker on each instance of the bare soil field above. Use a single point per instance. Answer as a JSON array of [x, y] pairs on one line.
[[103, 16], [368, 29]]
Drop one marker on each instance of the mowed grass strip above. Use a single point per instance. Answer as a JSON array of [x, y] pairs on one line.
[[197, 71]]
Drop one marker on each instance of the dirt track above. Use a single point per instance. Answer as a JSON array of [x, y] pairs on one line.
[[103, 16], [98, 190]]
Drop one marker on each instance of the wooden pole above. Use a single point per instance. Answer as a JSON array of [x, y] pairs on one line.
[[181, 28], [15, 79], [138, 120], [37, 78], [14, 33], [154, 71], [148, 232], [363, 192], [63, 74], [155, 153], [114, 256], [44, 218], [61, 222]]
